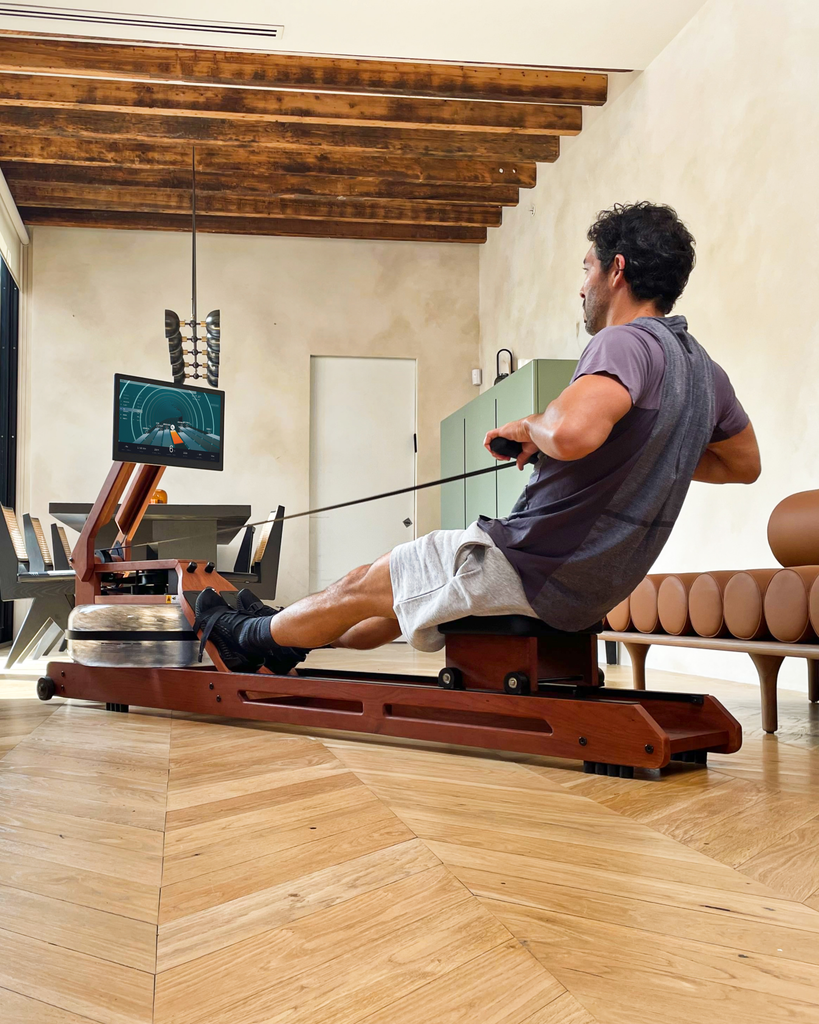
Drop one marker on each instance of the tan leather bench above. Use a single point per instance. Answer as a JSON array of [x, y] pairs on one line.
[[769, 614]]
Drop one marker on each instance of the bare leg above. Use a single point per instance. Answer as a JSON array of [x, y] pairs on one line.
[[370, 633], [321, 619]]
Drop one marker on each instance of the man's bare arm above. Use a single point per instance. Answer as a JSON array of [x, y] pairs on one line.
[[574, 425], [735, 461]]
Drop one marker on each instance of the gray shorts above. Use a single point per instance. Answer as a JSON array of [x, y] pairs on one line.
[[446, 575]]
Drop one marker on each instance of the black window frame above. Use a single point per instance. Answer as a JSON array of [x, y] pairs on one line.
[[9, 367]]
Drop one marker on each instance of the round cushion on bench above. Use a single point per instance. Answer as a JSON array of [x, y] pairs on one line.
[[786, 603], [644, 612], [744, 600], [619, 618], [706, 603], [672, 603], [793, 529], [813, 606]]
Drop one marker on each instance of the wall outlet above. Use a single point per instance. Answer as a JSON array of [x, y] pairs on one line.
[[477, 377]]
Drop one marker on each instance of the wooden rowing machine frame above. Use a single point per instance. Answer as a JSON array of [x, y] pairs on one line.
[[510, 683]]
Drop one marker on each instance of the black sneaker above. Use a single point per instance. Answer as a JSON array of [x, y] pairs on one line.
[[243, 640], [246, 601], [217, 621]]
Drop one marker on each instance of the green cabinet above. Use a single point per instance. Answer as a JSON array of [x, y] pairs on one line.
[[453, 459], [481, 493], [516, 397], [529, 390]]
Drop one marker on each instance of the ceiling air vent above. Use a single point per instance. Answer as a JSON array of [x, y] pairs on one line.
[[146, 27]]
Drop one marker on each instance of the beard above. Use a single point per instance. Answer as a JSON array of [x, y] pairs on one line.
[[595, 308]]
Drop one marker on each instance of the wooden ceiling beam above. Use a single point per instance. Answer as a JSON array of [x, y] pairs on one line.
[[140, 127], [289, 107], [30, 148], [271, 185], [46, 54], [254, 226], [59, 195]]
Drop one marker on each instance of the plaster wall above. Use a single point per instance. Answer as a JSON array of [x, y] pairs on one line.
[[724, 126], [11, 251], [96, 307]]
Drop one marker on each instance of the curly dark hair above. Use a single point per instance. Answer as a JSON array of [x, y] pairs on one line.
[[657, 247]]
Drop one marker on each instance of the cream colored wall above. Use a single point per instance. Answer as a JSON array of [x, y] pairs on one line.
[[96, 307], [11, 249], [724, 126]]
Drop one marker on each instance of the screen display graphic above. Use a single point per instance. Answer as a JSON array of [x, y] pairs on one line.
[[167, 424]]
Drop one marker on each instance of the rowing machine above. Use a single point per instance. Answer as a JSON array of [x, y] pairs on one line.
[[510, 682]]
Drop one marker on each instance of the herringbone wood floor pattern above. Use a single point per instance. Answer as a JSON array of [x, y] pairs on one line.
[[162, 868]]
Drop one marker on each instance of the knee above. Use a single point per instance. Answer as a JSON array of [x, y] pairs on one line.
[[351, 584], [371, 586]]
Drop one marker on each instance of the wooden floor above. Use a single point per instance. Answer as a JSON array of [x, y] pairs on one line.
[[159, 867]]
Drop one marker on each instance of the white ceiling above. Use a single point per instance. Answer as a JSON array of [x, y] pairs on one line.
[[625, 34]]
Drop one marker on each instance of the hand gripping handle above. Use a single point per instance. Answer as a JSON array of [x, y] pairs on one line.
[[503, 446]]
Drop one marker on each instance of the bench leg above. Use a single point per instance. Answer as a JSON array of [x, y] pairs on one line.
[[638, 654], [767, 666], [813, 680]]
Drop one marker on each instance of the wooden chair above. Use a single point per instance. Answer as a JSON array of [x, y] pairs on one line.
[[39, 556], [24, 577], [60, 547]]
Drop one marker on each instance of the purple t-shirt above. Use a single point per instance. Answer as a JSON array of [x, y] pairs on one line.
[[633, 356], [570, 496]]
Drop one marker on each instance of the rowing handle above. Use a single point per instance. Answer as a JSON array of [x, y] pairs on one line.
[[511, 449]]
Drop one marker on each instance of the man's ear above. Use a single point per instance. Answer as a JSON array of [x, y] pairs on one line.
[[617, 270]]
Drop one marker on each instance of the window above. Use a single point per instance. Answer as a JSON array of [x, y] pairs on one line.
[[9, 306]]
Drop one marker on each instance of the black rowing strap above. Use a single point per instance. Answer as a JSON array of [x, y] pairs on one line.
[[499, 445]]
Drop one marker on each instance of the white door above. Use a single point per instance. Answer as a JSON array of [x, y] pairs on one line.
[[362, 442]]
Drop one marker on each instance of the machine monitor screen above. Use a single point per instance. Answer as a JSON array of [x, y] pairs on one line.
[[167, 424]]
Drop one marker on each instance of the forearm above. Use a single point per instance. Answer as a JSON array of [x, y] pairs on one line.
[[712, 470]]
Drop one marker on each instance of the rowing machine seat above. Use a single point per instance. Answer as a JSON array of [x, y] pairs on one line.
[[508, 625], [484, 651]]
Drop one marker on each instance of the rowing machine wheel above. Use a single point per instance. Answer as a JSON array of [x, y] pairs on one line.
[[516, 682], [46, 688], [451, 679]]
